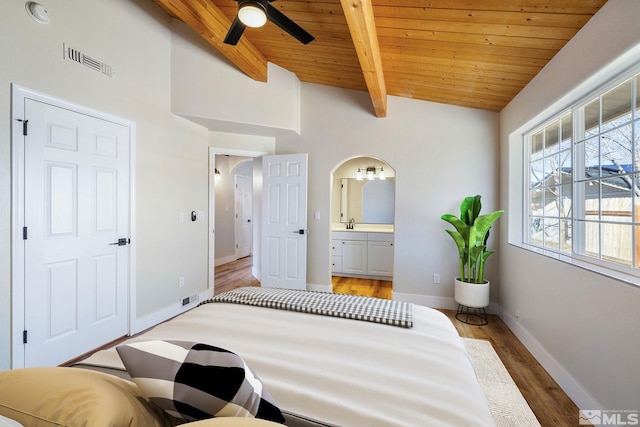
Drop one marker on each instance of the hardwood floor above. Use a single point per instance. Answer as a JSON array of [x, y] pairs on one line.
[[548, 401], [365, 287], [234, 275]]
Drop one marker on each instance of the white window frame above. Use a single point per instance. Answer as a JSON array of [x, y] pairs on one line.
[[609, 268]]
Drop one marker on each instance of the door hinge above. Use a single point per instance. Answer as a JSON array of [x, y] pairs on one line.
[[24, 233], [24, 126], [24, 336]]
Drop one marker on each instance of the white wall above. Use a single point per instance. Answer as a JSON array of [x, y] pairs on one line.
[[437, 162], [224, 216], [225, 220], [171, 169], [219, 96], [582, 326]]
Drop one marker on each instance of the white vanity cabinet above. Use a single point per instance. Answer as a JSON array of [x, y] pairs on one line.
[[362, 254], [336, 256], [380, 254], [354, 256]]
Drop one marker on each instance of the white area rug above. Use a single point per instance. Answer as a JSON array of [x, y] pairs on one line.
[[507, 405]]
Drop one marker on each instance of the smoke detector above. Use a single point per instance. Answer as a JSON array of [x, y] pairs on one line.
[[37, 12]]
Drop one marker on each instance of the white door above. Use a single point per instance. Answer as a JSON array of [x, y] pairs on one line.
[[76, 206], [244, 226], [284, 221]]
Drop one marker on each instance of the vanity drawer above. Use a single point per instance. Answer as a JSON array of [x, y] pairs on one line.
[[348, 235], [336, 247], [381, 237]]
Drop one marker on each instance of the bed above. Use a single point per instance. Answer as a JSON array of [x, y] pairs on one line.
[[330, 370]]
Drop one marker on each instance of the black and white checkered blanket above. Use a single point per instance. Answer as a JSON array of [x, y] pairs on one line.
[[388, 312]]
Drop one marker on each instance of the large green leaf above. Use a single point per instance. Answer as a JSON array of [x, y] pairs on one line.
[[470, 209]]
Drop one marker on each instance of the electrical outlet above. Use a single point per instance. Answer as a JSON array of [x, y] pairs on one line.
[[436, 278], [517, 314], [181, 282]]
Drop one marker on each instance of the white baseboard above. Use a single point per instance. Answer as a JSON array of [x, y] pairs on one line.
[[565, 380], [446, 303], [225, 260], [319, 288], [166, 313]]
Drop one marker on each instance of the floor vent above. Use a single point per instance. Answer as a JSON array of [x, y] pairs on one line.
[[88, 61], [189, 300]]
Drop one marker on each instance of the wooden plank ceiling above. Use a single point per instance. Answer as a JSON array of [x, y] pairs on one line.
[[471, 53]]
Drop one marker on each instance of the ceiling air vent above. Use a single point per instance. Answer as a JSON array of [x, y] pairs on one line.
[[88, 61]]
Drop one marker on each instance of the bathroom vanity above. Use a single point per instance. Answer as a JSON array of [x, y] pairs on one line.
[[362, 252]]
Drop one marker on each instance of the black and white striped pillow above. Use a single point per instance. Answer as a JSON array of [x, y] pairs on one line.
[[193, 381]]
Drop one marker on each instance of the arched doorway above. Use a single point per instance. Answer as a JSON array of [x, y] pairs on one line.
[[362, 227]]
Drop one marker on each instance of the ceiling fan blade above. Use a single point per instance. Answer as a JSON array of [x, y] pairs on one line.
[[278, 18], [235, 31]]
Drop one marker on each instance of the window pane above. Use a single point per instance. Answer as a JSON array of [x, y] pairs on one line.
[[592, 118], [565, 167], [567, 132], [551, 202], [536, 144], [616, 149], [592, 239], [565, 201], [551, 172], [537, 173], [616, 199], [591, 158], [565, 236], [637, 88], [591, 202], [636, 144], [551, 138], [616, 106], [536, 231], [551, 233], [616, 243], [536, 204]]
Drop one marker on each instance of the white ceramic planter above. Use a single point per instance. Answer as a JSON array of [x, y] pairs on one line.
[[471, 294]]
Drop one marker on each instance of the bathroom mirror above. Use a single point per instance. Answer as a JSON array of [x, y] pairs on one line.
[[368, 199]]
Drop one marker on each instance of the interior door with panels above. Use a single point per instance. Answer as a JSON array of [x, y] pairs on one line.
[[77, 225], [284, 221]]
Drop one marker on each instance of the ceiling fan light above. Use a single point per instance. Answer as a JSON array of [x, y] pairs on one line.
[[252, 15]]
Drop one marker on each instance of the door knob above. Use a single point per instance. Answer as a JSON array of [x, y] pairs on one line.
[[121, 242]]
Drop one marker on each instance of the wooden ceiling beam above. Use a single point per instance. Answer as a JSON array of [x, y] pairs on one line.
[[359, 15], [209, 21]]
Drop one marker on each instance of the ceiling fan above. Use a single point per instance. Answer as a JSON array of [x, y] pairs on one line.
[[255, 13]]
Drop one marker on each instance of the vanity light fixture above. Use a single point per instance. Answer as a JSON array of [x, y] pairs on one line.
[[359, 175], [371, 173]]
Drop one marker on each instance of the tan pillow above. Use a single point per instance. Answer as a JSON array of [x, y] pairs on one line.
[[232, 422], [57, 396]]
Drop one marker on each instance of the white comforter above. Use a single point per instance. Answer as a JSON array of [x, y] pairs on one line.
[[344, 372]]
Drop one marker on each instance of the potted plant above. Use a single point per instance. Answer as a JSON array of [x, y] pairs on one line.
[[470, 235]]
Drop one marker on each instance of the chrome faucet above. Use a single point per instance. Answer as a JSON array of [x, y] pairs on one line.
[[351, 224]]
